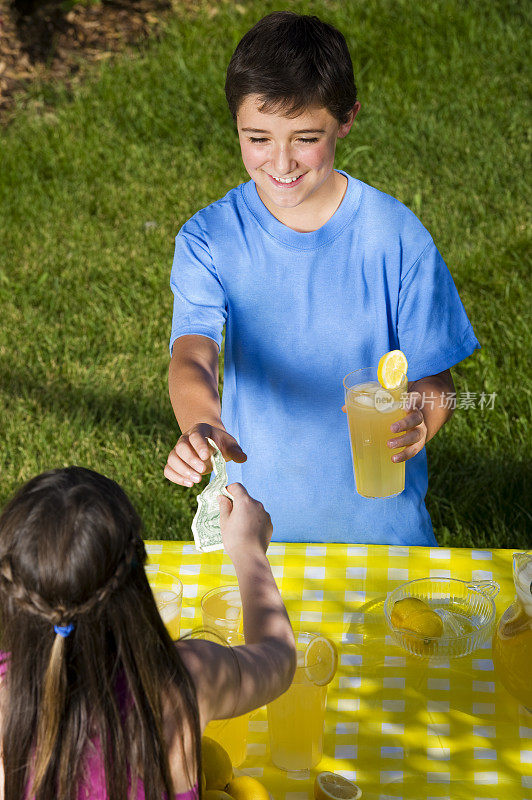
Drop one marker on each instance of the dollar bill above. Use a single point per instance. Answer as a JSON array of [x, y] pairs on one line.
[[206, 522]]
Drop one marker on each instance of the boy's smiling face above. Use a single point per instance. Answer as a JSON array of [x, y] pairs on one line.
[[291, 159]]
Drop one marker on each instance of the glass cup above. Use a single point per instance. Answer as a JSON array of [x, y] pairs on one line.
[[168, 593], [296, 718], [231, 733], [221, 611], [370, 412]]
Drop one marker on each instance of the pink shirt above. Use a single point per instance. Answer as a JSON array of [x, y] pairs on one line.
[[93, 786]]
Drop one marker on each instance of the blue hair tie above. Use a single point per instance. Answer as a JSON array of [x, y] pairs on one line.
[[64, 630]]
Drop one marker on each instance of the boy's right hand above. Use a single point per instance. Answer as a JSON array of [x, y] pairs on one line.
[[244, 523], [191, 457]]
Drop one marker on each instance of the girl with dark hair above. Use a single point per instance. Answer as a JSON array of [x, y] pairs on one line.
[[96, 700]]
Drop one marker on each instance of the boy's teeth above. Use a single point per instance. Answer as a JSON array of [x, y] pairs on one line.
[[286, 180]]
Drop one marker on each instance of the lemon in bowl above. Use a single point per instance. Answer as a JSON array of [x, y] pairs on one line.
[[413, 614], [441, 618]]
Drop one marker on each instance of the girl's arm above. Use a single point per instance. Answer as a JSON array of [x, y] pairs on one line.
[[230, 682]]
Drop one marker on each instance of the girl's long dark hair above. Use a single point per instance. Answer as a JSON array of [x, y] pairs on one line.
[[71, 552]]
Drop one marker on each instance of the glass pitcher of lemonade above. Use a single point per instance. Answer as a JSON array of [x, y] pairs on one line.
[[512, 646]]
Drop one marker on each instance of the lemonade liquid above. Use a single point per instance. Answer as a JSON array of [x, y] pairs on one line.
[[232, 735], [169, 606], [512, 655], [512, 644], [295, 722], [221, 610], [370, 412]]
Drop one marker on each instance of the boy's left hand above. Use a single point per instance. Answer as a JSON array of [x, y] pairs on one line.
[[422, 420], [414, 425]]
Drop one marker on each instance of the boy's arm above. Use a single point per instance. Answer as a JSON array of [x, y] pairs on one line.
[[193, 387], [428, 410], [193, 381]]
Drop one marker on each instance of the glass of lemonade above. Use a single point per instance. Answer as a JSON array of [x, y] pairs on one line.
[[221, 611], [168, 593], [371, 410], [231, 733], [296, 718]]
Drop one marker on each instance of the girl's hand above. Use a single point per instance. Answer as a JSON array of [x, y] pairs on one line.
[[244, 523], [191, 457], [415, 436]]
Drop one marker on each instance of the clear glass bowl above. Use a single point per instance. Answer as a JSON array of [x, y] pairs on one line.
[[466, 609]]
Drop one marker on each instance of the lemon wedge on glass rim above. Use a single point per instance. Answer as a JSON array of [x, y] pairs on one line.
[[329, 786], [392, 367], [321, 660]]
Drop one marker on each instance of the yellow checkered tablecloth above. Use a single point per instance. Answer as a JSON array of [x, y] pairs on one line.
[[398, 726]]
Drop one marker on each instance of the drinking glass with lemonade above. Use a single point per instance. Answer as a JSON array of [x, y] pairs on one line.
[[168, 594], [374, 400], [296, 718], [221, 611], [231, 733]]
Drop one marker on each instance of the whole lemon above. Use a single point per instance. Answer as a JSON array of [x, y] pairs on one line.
[[246, 788], [216, 794], [412, 614], [217, 765]]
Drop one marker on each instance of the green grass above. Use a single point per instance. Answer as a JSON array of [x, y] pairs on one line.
[[86, 306]]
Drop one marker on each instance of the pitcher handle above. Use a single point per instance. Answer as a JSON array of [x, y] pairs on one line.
[[489, 588]]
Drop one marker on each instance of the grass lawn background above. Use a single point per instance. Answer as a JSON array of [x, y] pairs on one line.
[[84, 293]]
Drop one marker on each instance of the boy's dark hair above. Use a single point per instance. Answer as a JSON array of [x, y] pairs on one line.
[[292, 62]]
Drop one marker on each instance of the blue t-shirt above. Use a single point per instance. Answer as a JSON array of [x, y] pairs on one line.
[[301, 311]]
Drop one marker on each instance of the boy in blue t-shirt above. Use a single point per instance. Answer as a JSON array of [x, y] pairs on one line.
[[314, 274]]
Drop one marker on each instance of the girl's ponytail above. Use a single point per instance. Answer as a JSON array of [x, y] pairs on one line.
[[54, 688], [52, 710]]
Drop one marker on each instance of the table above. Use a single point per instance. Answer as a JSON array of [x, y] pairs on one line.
[[400, 727]]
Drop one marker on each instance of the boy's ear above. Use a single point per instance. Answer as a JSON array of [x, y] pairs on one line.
[[345, 127]]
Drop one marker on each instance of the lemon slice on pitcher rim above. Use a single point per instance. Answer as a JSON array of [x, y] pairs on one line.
[[329, 786], [392, 367], [321, 660]]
